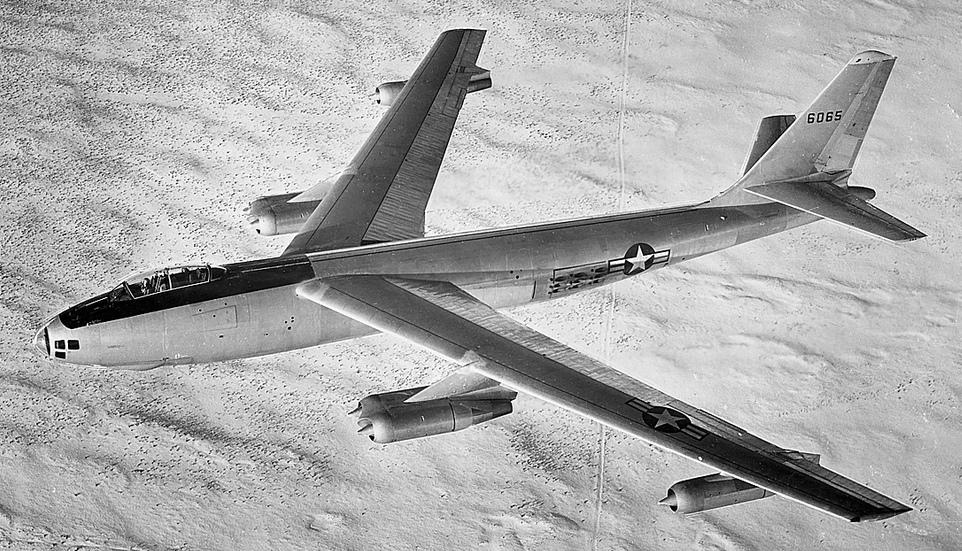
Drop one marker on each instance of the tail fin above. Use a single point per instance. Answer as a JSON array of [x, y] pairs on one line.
[[820, 149]]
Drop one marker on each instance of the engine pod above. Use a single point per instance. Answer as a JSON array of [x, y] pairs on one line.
[[387, 418], [387, 92], [276, 215], [711, 492]]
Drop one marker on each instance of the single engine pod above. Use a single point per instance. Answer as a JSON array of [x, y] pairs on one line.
[[711, 492], [275, 215], [479, 81], [386, 92]]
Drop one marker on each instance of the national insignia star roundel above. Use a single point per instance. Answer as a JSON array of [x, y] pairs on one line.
[[665, 419], [639, 258]]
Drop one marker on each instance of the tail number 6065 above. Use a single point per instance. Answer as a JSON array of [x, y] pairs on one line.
[[824, 116]]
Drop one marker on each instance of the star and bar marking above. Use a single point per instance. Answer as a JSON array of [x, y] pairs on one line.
[[665, 419], [638, 258]]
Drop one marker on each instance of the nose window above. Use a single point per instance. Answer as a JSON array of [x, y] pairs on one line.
[[62, 345]]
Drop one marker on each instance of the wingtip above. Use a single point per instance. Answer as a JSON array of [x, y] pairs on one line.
[[870, 56], [884, 514], [463, 30], [909, 234]]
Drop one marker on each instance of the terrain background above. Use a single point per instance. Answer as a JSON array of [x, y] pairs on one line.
[[133, 134]]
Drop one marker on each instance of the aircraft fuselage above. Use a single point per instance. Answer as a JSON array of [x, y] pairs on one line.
[[252, 308]]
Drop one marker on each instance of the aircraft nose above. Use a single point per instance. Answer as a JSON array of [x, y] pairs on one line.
[[51, 340], [42, 340]]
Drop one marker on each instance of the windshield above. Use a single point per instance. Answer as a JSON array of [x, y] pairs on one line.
[[158, 281]]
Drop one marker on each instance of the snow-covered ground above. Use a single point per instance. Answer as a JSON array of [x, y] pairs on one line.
[[134, 134]]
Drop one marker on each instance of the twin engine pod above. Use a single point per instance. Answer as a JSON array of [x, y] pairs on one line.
[[719, 490], [388, 418], [275, 215], [387, 92]]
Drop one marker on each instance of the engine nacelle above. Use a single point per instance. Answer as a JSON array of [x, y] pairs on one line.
[[711, 492], [718, 490], [275, 215], [387, 418], [387, 92]]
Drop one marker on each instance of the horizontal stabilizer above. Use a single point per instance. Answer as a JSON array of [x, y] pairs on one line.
[[769, 130], [825, 199]]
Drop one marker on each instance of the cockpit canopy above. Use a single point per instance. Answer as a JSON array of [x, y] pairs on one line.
[[164, 279]]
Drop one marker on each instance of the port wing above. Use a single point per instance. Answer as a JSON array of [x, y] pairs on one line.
[[382, 194], [446, 320]]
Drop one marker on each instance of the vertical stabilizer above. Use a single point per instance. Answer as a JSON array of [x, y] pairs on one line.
[[808, 165], [827, 136]]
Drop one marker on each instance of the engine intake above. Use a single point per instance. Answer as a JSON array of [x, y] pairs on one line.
[[275, 215], [386, 92], [388, 418]]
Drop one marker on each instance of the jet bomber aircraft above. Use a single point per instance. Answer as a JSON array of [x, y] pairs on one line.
[[360, 264]]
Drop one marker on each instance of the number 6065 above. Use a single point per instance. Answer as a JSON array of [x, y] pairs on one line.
[[824, 116]]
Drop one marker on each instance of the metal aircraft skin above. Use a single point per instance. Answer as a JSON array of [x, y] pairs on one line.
[[360, 264]]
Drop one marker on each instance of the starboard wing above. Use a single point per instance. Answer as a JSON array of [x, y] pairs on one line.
[[445, 319], [382, 194]]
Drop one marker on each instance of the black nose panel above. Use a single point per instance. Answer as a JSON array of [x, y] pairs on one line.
[[46, 340]]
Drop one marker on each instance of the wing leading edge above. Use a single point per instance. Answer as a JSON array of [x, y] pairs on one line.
[[448, 321], [382, 194]]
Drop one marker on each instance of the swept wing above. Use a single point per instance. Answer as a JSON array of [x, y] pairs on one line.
[[382, 194], [443, 318]]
